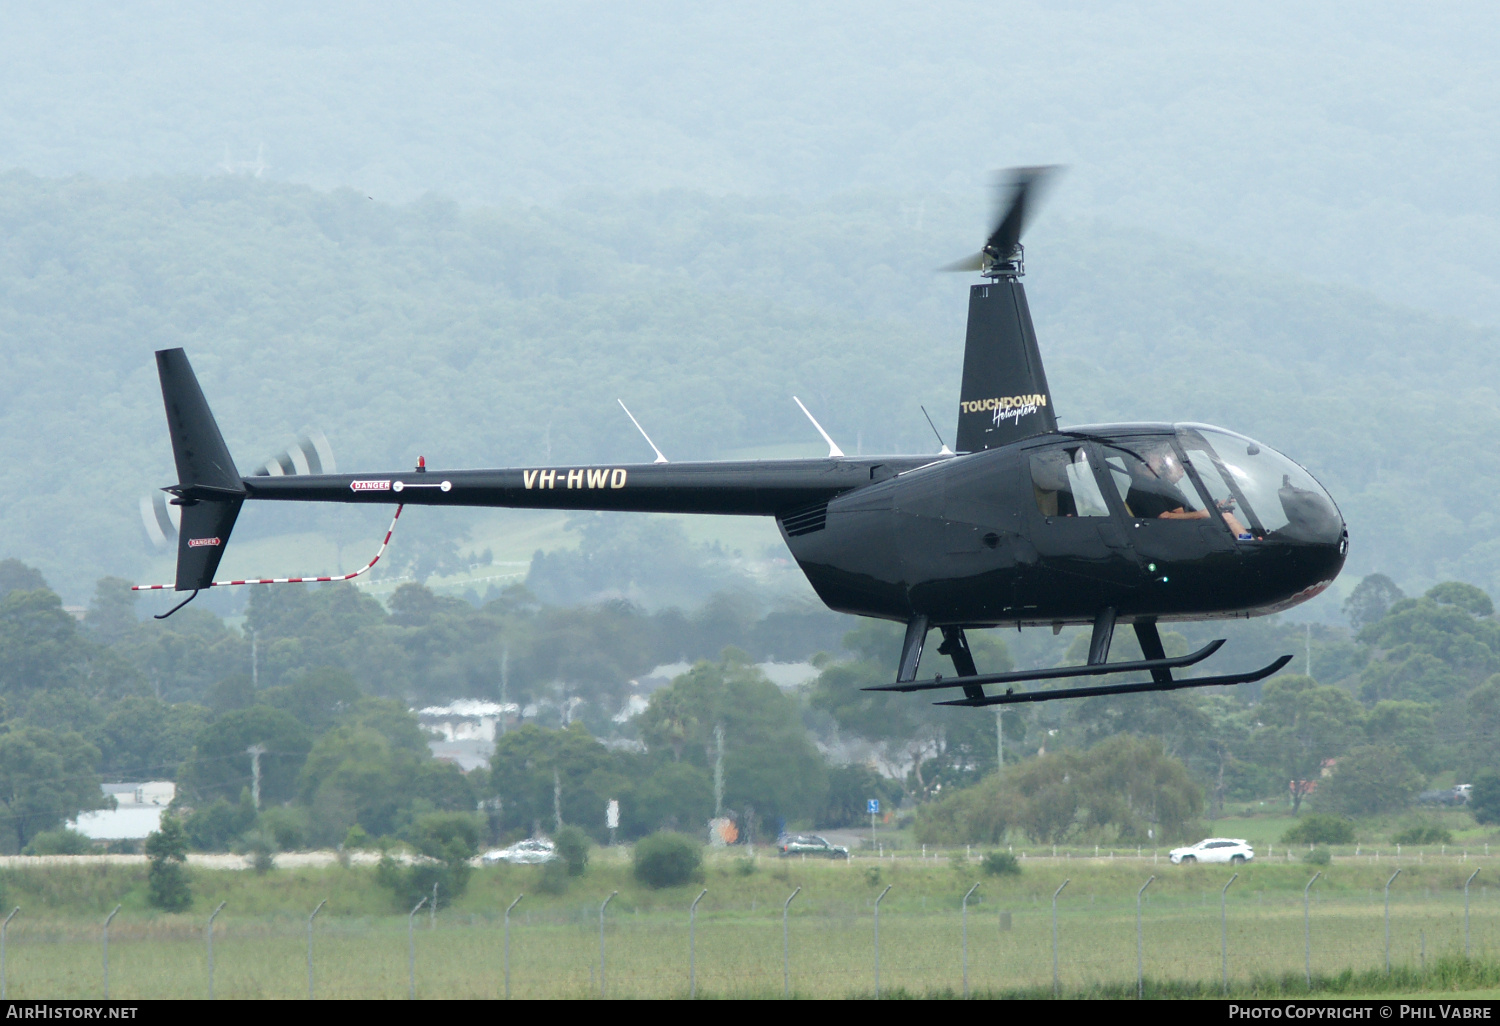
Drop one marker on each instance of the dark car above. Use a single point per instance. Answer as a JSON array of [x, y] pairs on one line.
[[1456, 795], [812, 844]]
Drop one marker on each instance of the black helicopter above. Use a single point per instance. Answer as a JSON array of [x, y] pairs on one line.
[[1026, 524]]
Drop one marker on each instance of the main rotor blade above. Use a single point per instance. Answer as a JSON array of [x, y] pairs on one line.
[[1026, 185], [971, 263]]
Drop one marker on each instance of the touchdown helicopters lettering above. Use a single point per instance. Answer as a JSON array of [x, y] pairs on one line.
[[1026, 525]]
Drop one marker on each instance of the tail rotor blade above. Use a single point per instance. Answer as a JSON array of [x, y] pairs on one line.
[[160, 519], [309, 454]]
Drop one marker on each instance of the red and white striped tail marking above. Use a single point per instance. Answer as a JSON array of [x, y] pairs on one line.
[[292, 580]]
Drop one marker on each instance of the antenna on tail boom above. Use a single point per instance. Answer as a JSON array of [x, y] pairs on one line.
[[833, 449], [659, 457]]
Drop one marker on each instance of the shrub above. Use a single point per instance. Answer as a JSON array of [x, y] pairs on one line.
[[260, 845], [167, 849], [58, 842], [573, 849], [1423, 833], [1484, 802], [447, 840], [214, 827], [1320, 828], [744, 867], [554, 878], [356, 838], [1000, 863], [287, 826], [1317, 857], [666, 859]]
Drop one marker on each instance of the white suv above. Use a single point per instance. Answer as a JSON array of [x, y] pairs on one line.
[[1216, 849]]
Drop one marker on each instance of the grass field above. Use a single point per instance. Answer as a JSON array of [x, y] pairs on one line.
[[360, 941]]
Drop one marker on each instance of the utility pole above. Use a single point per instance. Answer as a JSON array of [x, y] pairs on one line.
[[719, 771], [255, 752], [556, 801], [504, 684]]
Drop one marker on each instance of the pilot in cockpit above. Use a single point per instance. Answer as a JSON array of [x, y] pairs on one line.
[[1154, 492]]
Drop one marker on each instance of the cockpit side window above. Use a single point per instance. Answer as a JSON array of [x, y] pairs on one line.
[[1157, 481], [1064, 482]]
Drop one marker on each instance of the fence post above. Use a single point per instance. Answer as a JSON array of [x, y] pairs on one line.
[[965, 908], [1466, 931], [877, 939], [6, 925], [309, 947], [1224, 932], [601, 939], [1055, 990], [786, 971], [692, 945], [1307, 929], [211, 919], [1140, 979], [1388, 921], [411, 951], [507, 943], [106, 949]]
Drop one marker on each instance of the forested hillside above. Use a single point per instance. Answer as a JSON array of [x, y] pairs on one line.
[[489, 336]]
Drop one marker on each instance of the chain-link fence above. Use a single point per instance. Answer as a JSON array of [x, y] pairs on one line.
[[943, 929]]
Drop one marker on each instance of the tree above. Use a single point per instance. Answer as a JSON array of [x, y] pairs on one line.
[[147, 739], [1304, 724], [1464, 596], [167, 879], [1368, 781], [221, 767], [1409, 728], [448, 840], [1122, 787], [770, 763], [17, 576], [317, 698], [1369, 600], [676, 796], [1484, 799], [46, 777], [849, 789], [529, 761]]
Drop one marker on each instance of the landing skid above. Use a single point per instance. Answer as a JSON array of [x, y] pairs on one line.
[[1123, 689], [956, 646]]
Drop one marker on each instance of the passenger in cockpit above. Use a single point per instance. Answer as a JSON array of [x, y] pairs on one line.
[[1154, 492]]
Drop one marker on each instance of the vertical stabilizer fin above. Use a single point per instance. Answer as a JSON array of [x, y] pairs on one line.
[[201, 455], [208, 489], [1004, 395]]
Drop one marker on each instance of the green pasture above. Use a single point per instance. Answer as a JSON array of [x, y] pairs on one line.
[[360, 940]]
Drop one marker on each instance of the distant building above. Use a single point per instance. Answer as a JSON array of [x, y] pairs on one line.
[[137, 812], [464, 731]]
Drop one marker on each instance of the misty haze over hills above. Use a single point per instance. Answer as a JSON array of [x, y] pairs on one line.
[[516, 214], [1349, 144]]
